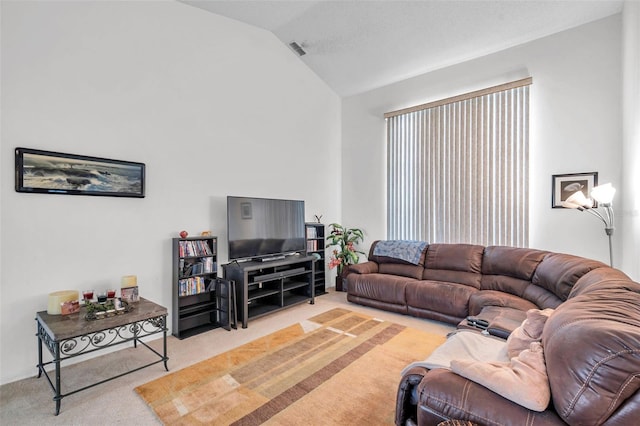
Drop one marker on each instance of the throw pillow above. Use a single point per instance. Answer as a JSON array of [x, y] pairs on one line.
[[523, 380], [529, 331]]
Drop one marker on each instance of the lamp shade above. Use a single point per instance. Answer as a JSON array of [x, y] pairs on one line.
[[603, 193], [577, 200]]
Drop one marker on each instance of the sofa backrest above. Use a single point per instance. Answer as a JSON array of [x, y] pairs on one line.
[[456, 263], [543, 278], [592, 352], [395, 266], [559, 272], [510, 269], [597, 277]]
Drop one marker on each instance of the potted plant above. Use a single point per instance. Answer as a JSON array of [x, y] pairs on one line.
[[345, 253]]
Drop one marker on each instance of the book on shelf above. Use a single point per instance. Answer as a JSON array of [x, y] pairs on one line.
[[312, 232], [191, 286], [203, 265], [312, 245], [193, 248]]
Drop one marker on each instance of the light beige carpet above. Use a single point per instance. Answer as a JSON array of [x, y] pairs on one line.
[[339, 367]]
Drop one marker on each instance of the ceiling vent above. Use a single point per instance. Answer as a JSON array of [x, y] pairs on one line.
[[297, 48]]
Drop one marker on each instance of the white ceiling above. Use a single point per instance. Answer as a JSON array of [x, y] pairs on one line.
[[359, 45]]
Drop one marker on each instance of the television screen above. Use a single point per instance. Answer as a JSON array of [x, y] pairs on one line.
[[261, 227]]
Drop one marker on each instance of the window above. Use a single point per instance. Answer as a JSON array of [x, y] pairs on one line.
[[457, 169]]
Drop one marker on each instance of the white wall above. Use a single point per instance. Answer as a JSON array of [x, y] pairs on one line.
[[212, 106], [575, 127], [630, 194]]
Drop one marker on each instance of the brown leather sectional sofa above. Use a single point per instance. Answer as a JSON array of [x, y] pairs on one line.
[[591, 341]]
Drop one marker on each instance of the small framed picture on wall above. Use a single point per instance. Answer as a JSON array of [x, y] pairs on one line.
[[563, 186]]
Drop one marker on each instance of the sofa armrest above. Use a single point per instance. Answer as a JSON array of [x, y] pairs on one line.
[[444, 395], [407, 398], [363, 268]]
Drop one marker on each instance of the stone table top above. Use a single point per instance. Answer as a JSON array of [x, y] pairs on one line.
[[61, 327]]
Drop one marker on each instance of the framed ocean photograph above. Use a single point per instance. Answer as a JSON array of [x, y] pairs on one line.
[[57, 173]]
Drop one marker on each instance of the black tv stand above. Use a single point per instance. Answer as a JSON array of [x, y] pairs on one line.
[[263, 286]]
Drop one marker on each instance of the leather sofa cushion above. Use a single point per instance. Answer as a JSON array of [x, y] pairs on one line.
[[513, 262], [455, 257], [455, 263], [541, 297], [395, 269], [596, 278], [381, 287], [378, 304], [362, 268], [481, 299], [592, 351], [505, 284], [446, 298], [559, 272], [458, 277]]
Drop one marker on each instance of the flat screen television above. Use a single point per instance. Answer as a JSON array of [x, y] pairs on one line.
[[262, 228]]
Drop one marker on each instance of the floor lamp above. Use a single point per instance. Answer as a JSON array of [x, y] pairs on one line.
[[603, 194]]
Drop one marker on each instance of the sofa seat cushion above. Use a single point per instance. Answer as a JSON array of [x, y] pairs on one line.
[[442, 297], [380, 287], [479, 300]]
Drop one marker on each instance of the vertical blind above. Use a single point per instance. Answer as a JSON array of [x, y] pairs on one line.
[[457, 169]]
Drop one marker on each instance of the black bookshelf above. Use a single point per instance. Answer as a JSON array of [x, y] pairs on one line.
[[201, 300], [316, 248]]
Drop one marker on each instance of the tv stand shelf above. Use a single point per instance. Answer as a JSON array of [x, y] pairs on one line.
[[265, 287]]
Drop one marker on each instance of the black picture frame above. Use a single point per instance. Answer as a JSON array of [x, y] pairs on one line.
[[246, 210], [562, 186], [48, 172]]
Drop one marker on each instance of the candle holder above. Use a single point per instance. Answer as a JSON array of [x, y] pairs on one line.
[[87, 295]]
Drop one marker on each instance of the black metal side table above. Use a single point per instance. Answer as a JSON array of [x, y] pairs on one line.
[[68, 336]]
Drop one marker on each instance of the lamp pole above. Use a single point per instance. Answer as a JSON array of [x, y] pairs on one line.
[[602, 194], [608, 224]]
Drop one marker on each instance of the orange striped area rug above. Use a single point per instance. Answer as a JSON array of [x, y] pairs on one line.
[[339, 368]]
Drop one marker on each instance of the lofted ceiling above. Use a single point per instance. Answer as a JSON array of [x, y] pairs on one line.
[[359, 45]]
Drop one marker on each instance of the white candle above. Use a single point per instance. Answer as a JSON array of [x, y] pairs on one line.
[[56, 299], [129, 281]]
